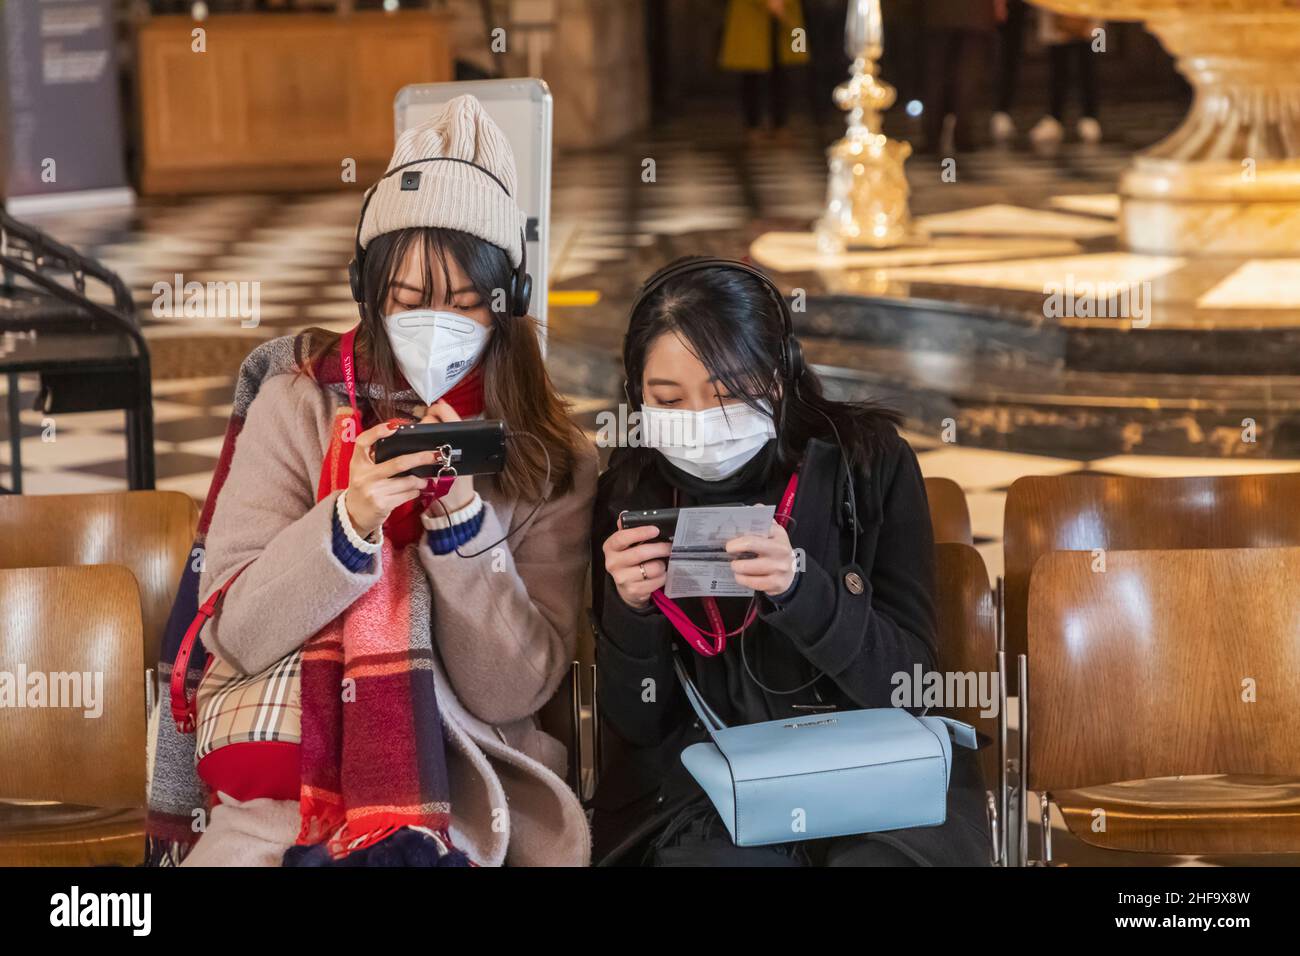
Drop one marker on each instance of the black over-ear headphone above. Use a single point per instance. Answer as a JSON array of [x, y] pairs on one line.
[[792, 361], [521, 283]]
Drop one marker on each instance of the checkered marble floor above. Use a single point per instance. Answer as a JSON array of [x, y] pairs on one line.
[[706, 177]]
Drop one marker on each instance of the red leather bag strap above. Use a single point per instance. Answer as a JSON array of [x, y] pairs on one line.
[[183, 712]]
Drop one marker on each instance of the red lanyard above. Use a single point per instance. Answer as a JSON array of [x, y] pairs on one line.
[[717, 630], [442, 485], [349, 372]]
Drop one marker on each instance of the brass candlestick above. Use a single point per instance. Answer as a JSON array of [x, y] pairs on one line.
[[867, 191]]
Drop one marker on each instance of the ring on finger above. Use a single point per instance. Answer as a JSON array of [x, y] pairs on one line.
[[645, 575]]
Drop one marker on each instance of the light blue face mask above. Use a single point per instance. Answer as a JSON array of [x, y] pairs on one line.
[[435, 349]]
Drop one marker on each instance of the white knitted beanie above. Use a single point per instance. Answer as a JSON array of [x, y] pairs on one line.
[[451, 195]]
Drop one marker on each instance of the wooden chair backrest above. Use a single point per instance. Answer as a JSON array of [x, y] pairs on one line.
[[1174, 662], [949, 514], [1111, 512], [967, 621], [149, 532], [77, 631]]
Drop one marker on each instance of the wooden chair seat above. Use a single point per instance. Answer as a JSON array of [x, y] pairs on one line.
[[1202, 815], [57, 766], [60, 834]]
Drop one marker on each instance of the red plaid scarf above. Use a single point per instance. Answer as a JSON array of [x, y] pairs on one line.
[[370, 768], [373, 753]]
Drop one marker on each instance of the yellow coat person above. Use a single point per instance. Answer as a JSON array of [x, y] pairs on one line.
[[747, 39]]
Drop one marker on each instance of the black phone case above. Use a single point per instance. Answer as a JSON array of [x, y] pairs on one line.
[[665, 519], [477, 448]]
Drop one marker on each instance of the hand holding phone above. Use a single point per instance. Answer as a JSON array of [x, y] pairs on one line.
[[475, 448], [462, 491], [636, 559], [376, 488]]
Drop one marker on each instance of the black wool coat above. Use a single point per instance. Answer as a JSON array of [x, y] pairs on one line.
[[855, 624]]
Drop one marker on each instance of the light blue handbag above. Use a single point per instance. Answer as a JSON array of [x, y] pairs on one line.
[[833, 774]]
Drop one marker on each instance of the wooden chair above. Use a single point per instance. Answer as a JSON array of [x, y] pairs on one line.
[[949, 514], [1169, 665], [967, 619], [149, 532], [1087, 512], [72, 786]]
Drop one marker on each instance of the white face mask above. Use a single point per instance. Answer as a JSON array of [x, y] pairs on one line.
[[712, 444], [434, 350]]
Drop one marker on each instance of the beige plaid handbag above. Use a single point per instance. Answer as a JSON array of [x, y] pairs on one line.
[[230, 708], [234, 708]]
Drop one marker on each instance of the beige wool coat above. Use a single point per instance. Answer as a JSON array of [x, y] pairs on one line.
[[505, 626]]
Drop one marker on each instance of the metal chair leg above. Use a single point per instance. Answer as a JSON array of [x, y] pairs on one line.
[[1004, 797], [1045, 811], [597, 738], [15, 437], [1023, 783], [575, 727], [995, 841], [1004, 794]]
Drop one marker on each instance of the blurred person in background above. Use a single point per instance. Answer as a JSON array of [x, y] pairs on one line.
[[1069, 51], [1011, 16], [959, 35], [758, 43], [903, 62], [830, 61]]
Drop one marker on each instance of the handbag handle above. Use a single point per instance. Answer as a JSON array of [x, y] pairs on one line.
[[183, 711], [711, 721], [962, 734]]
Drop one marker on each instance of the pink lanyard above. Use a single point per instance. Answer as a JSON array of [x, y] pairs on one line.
[[717, 630]]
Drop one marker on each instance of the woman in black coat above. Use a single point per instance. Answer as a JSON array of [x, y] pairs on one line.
[[840, 609]]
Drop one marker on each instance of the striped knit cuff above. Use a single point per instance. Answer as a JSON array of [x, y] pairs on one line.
[[353, 551], [449, 532], [435, 519]]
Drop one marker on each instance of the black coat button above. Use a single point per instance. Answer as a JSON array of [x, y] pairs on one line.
[[853, 581]]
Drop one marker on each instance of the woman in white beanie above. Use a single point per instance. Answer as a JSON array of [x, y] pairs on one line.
[[446, 612]]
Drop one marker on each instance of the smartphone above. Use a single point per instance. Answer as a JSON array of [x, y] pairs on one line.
[[665, 519], [476, 448]]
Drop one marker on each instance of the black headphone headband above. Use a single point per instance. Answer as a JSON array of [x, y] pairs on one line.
[[791, 351], [521, 283]]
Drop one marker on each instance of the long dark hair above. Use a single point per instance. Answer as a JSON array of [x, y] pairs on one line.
[[730, 322], [516, 387]]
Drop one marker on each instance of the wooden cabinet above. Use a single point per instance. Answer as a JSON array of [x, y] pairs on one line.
[[278, 101]]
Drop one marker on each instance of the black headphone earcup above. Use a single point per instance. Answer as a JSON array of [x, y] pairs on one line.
[[354, 280], [521, 296], [794, 359]]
